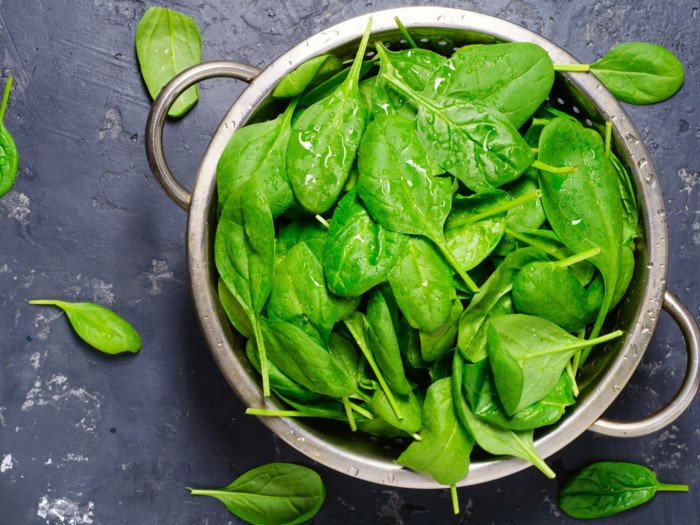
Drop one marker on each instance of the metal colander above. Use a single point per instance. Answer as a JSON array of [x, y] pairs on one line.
[[605, 373]]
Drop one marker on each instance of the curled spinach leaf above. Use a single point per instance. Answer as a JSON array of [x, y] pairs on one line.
[[311, 73]]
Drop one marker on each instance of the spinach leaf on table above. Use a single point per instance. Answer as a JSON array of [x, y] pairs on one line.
[[9, 156], [244, 251], [359, 252], [309, 74], [325, 139], [273, 494], [299, 294], [528, 355], [607, 488], [167, 43], [258, 150], [97, 326], [514, 78], [585, 207], [422, 285], [473, 141]]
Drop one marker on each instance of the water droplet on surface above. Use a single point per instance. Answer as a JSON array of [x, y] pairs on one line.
[[353, 471]]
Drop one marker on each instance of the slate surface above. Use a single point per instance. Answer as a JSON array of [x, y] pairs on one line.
[[88, 439]]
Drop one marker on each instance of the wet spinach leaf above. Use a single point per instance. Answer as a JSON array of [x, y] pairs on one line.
[[97, 326], [234, 311], [273, 494], [433, 345], [409, 405], [309, 74], [607, 488], [9, 156], [167, 43]]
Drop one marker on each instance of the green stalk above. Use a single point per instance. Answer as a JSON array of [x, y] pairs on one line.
[[348, 412], [361, 410], [572, 374], [416, 437], [540, 121], [449, 256], [48, 302], [514, 203], [582, 344], [5, 98], [455, 499], [255, 323], [352, 79], [532, 242], [373, 365], [563, 170], [405, 33], [323, 221], [278, 413], [573, 68], [577, 258], [672, 487], [608, 138]]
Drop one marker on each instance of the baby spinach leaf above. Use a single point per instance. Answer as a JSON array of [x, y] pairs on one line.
[[303, 360], [9, 156], [282, 385], [398, 186], [312, 72], [480, 392], [244, 251], [630, 216], [415, 67], [436, 343], [472, 141], [327, 87], [515, 78], [345, 355], [640, 73], [476, 351], [607, 488], [585, 207], [234, 311], [325, 139], [273, 494], [312, 233], [446, 445], [382, 328], [410, 406], [258, 150], [409, 344], [378, 427], [97, 326], [492, 438], [496, 286], [359, 252], [528, 355], [299, 294], [167, 43], [422, 284]]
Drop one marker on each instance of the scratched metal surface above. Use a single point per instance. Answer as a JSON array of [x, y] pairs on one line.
[[89, 439]]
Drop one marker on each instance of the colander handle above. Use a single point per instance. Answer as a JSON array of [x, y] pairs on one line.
[[156, 119], [668, 414]]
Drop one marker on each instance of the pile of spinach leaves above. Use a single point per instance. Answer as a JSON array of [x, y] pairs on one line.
[[421, 246]]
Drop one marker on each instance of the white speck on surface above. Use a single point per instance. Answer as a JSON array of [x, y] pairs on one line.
[[551, 506], [2, 417], [6, 464], [102, 292], [111, 126], [160, 271], [42, 322], [76, 458], [64, 511], [689, 178], [35, 360], [391, 509], [5, 269], [17, 206], [48, 461], [696, 232]]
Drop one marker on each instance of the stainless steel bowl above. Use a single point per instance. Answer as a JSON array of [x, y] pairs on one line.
[[605, 373]]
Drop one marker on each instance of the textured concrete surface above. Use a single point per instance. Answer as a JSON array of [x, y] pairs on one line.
[[89, 439]]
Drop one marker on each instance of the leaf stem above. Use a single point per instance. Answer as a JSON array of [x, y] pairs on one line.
[[255, 323], [323, 221], [578, 257], [540, 121], [532, 242], [5, 98], [278, 413], [361, 410], [608, 138], [416, 437], [582, 344], [452, 260], [571, 371], [47, 302], [672, 487], [348, 412], [405, 33], [352, 79], [455, 499], [573, 68], [362, 343], [513, 203], [563, 170]]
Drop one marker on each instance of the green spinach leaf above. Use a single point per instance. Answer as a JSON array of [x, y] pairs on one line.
[[273, 494], [311, 73], [433, 345], [167, 43], [9, 156], [234, 311]]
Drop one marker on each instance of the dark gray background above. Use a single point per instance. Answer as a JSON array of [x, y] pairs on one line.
[[89, 439]]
